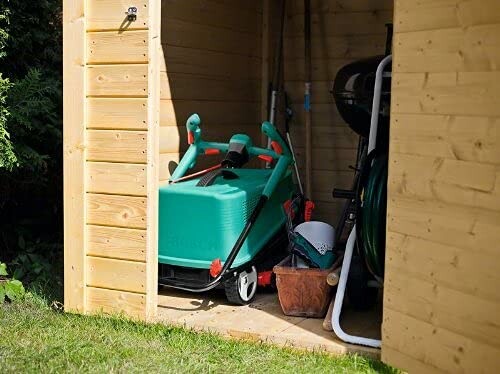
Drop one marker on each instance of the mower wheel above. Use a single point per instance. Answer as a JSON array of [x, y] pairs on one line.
[[361, 296], [240, 289]]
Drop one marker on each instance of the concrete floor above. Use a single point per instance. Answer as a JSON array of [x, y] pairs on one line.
[[264, 321]]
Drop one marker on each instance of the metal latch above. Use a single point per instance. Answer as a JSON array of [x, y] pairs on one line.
[[131, 14]]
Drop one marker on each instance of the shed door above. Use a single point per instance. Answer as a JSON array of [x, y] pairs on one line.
[[442, 280]]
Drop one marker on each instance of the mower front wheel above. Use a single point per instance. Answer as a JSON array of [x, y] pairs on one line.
[[241, 288]]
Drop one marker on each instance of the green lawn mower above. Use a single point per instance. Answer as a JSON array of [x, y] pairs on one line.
[[217, 226]]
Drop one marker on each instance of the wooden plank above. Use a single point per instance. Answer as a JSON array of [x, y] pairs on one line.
[[110, 113], [454, 310], [116, 146], [178, 86], [349, 47], [74, 158], [463, 227], [117, 80], [461, 93], [110, 15], [112, 178], [323, 69], [101, 300], [333, 137], [327, 159], [118, 243], [444, 265], [212, 14], [437, 347], [209, 63], [445, 180], [255, 6], [114, 274], [322, 94], [407, 363], [339, 24], [441, 14], [339, 6], [204, 37], [153, 161], [455, 137], [117, 47], [115, 210], [176, 113], [467, 50]]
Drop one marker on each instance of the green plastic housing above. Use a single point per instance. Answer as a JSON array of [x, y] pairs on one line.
[[200, 224]]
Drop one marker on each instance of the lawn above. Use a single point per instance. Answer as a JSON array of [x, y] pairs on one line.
[[36, 338]]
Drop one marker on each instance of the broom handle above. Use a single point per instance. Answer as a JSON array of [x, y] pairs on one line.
[[307, 95]]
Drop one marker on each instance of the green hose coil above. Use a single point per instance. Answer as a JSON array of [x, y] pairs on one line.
[[373, 216]]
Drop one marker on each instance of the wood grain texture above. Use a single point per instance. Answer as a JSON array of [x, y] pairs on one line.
[[117, 47], [114, 178], [117, 80], [118, 243], [101, 300], [117, 146], [116, 274], [116, 210], [440, 297], [122, 113], [110, 15], [74, 154]]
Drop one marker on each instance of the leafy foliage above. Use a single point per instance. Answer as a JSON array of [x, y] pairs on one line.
[[31, 138], [12, 289]]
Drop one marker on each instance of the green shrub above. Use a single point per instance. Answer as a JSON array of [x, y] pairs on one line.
[[12, 289]]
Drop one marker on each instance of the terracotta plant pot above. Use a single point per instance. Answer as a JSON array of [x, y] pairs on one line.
[[303, 292]]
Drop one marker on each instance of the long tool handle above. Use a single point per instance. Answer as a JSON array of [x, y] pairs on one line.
[[307, 95]]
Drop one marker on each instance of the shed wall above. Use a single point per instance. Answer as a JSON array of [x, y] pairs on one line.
[[110, 134], [211, 65], [342, 31], [441, 298]]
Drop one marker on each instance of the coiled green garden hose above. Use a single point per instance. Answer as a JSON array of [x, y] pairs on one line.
[[373, 216]]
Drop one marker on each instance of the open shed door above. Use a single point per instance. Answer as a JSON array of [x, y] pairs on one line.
[[442, 280]]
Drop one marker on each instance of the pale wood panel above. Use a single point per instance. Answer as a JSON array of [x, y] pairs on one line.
[[102, 300], [166, 159], [342, 23], [324, 69], [110, 14], [332, 137], [74, 155], [209, 63], [441, 14], [472, 49], [454, 137], [438, 348], [178, 86], [115, 210], [445, 180], [465, 314], [186, 34], [153, 163], [412, 365], [114, 242], [117, 80], [222, 113], [473, 94], [116, 274], [127, 179], [327, 158], [110, 113], [116, 146], [459, 226], [213, 14], [117, 47], [444, 265]]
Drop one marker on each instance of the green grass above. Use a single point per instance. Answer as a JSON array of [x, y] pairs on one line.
[[35, 338]]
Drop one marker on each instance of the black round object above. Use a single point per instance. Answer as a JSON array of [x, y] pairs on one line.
[[353, 94], [360, 296]]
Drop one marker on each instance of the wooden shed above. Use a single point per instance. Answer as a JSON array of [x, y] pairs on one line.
[[129, 87]]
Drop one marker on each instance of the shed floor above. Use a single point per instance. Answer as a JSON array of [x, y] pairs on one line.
[[263, 320]]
